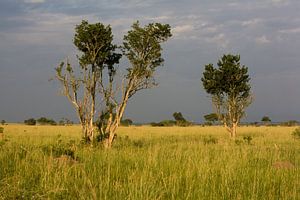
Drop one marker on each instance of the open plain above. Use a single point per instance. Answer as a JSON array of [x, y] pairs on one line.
[[49, 162]]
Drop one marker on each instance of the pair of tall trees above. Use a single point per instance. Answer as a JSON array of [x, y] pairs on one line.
[[95, 90]]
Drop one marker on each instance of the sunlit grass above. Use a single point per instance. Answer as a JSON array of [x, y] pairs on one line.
[[150, 163]]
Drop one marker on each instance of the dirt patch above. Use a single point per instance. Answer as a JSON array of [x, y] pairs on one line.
[[283, 165]]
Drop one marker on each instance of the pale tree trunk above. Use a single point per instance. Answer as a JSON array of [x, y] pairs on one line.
[[114, 124], [233, 130]]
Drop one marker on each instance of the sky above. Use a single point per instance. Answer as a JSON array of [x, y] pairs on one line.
[[35, 35]]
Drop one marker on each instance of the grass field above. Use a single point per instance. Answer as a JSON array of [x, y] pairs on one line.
[[48, 162]]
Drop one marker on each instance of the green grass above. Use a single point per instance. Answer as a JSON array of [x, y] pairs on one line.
[[150, 163]]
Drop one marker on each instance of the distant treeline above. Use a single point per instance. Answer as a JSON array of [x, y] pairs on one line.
[[47, 121], [179, 120]]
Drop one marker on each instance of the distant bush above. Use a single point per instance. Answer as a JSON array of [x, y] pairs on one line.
[[30, 122], [183, 123], [3, 122], [126, 122], [296, 133], [207, 124], [1, 129], [45, 121], [210, 140], [290, 123], [210, 119], [65, 122], [164, 123]]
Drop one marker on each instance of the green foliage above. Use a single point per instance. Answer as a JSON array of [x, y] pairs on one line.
[[1, 129], [95, 43], [296, 133], [30, 121], [126, 122], [178, 116], [212, 118], [45, 121], [265, 119], [230, 79], [142, 47]]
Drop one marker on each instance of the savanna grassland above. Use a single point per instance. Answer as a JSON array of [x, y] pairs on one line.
[[49, 162]]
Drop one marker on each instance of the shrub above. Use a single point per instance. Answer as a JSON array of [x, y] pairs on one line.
[[3, 122], [296, 133], [164, 123], [183, 123], [238, 142], [247, 139], [210, 140], [1, 129], [30, 121], [60, 149], [45, 121]]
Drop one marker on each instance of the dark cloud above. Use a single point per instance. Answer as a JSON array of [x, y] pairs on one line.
[[36, 35]]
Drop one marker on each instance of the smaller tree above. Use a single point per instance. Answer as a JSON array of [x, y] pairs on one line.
[[178, 116], [3, 122], [211, 118], [180, 120], [229, 88], [266, 119], [30, 121]]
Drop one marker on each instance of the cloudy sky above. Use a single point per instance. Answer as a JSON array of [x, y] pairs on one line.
[[35, 35]]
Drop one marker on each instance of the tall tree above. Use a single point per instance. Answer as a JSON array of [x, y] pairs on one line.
[[94, 41], [142, 47], [229, 88]]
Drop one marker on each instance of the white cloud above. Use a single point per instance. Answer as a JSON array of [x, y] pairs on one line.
[[262, 40], [280, 2], [49, 27], [219, 39], [251, 22], [180, 29], [159, 18], [290, 31], [34, 1]]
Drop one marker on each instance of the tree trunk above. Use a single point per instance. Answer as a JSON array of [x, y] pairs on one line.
[[233, 130], [108, 141]]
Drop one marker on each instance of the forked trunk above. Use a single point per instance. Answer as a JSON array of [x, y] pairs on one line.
[[87, 131]]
